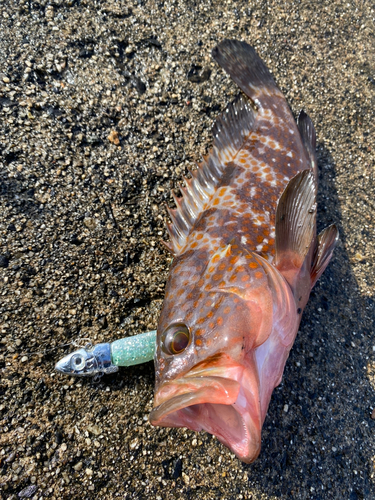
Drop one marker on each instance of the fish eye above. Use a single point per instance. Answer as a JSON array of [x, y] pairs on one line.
[[77, 362], [175, 339]]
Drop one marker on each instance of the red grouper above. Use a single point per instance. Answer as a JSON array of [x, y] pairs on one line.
[[246, 257]]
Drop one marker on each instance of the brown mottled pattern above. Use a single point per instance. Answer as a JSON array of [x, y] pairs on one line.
[[239, 217]]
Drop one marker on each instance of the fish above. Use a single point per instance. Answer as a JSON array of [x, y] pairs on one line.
[[246, 255]]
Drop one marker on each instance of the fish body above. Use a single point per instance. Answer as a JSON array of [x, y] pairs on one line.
[[246, 256]]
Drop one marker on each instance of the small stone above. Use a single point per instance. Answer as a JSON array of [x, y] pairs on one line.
[[186, 479], [373, 414], [78, 467], [28, 492], [4, 261], [24, 359], [133, 444], [94, 429], [359, 257], [6, 79], [113, 137], [286, 408], [90, 223], [89, 472], [11, 457]]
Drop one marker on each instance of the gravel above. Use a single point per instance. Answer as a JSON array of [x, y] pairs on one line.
[[103, 108]]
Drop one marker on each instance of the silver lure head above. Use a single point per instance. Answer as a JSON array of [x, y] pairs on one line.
[[87, 361]]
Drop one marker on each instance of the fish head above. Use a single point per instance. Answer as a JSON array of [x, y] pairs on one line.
[[214, 318]]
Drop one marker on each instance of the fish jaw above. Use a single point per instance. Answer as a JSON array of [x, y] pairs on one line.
[[222, 400]]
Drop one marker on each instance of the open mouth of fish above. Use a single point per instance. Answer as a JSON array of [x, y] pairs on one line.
[[222, 400]]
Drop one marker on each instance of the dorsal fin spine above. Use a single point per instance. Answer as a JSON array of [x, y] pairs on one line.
[[178, 221], [230, 131]]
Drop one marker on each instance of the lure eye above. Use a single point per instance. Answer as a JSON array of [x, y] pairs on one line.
[[175, 339], [77, 362]]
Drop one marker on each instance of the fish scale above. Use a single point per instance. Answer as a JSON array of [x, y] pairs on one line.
[[246, 256]]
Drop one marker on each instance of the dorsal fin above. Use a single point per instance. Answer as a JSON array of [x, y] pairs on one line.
[[230, 131], [308, 135]]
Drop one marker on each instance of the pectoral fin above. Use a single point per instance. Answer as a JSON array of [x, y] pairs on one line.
[[295, 225], [327, 241]]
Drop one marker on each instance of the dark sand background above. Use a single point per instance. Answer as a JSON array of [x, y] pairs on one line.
[[81, 225]]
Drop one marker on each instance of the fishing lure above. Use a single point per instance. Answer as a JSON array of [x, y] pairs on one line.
[[105, 358]]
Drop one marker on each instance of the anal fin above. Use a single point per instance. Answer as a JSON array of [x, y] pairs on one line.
[[327, 240], [295, 225]]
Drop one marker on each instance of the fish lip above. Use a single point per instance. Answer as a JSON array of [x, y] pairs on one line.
[[202, 401]]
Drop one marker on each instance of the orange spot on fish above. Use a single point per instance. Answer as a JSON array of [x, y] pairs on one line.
[[269, 177], [210, 314], [216, 258], [253, 265], [199, 236], [226, 310], [233, 278], [193, 245], [198, 342], [258, 275], [265, 248], [259, 237], [199, 331], [222, 192], [245, 277], [211, 325], [219, 321], [216, 202]]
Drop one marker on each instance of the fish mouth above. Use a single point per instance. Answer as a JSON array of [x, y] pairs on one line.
[[220, 401]]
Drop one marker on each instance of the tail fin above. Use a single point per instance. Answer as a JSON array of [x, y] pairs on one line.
[[245, 67]]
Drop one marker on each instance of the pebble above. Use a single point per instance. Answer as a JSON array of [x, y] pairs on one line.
[[78, 466]]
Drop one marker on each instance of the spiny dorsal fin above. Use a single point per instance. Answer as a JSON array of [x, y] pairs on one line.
[[327, 240], [308, 135], [295, 224], [230, 131], [246, 68]]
